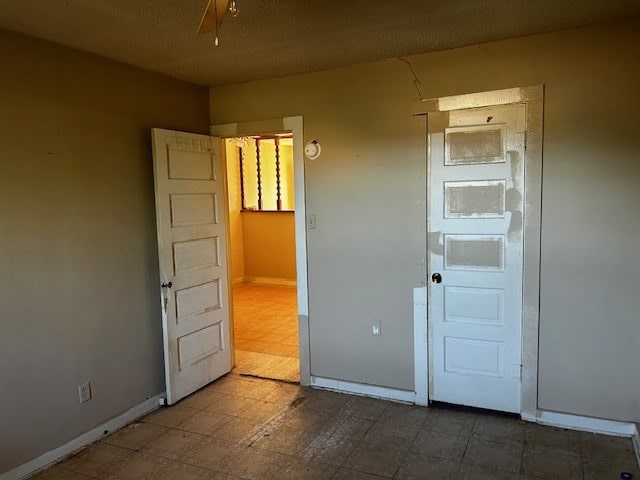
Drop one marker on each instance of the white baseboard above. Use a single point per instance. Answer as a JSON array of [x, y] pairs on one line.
[[362, 389], [420, 349], [636, 442], [589, 424], [270, 281], [586, 424], [54, 456]]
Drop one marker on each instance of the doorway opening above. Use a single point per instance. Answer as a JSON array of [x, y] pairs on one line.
[[262, 246]]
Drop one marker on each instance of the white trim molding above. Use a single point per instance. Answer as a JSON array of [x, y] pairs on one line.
[[420, 349], [585, 424], [533, 97], [636, 442], [270, 281], [295, 125], [480, 99], [588, 424], [364, 390], [55, 456]]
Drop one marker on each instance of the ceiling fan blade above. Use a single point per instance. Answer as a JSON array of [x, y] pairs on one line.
[[210, 19]]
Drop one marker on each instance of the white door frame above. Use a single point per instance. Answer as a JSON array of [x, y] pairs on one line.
[[295, 126], [533, 97]]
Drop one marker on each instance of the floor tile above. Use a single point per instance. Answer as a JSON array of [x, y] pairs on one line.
[[263, 410], [474, 472], [383, 462], [205, 423], [283, 439], [386, 434], [453, 422], [324, 401], [136, 435], [58, 473], [603, 446], [222, 476], [404, 416], [97, 459], [499, 429], [173, 444], [363, 407], [301, 469], [305, 418], [169, 417], [441, 445], [266, 326], [605, 468], [348, 426], [553, 440], [254, 463], [332, 449], [201, 400], [240, 430], [546, 465], [181, 471], [296, 432], [496, 456], [139, 466], [210, 452], [349, 474], [419, 467], [230, 404]]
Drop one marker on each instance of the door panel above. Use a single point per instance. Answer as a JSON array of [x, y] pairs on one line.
[[192, 247], [475, 232]]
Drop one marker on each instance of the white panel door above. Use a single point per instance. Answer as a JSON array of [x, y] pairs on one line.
[[192, 245], [475, 255]]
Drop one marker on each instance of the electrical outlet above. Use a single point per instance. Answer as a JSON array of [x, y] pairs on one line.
[[376, 327], [84, 392]]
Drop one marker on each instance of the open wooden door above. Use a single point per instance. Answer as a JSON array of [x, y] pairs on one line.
[[192, 246]]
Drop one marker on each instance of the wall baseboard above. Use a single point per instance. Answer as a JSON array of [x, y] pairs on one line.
[[270, 281], [420, 348], [636, 442], [585, 424], [54, 456], [238, 281], [362, 389], [553, 419]]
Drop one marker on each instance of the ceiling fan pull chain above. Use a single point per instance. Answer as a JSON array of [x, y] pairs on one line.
[[215, 9]]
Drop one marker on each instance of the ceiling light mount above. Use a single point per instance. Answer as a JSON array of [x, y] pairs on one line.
[[233, 8], [214, 14]]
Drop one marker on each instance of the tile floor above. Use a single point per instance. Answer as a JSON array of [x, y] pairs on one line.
[[249, 428], [266, 331]]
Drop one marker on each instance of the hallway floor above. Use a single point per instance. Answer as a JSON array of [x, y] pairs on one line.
[[248, 428], [266, 331]]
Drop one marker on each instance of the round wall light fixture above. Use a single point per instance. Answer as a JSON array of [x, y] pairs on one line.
[[312, 149]]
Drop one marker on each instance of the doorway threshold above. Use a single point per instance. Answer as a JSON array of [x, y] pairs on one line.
[[267, 366]]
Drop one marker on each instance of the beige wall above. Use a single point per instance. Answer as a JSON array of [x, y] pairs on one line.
[[269, 246], [366, 190], [236, 248], [79, 290]]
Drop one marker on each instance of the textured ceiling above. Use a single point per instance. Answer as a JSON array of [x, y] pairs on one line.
[[272, 38]]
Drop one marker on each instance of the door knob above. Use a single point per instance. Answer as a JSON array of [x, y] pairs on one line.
[[436, 278], [167, 285]]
